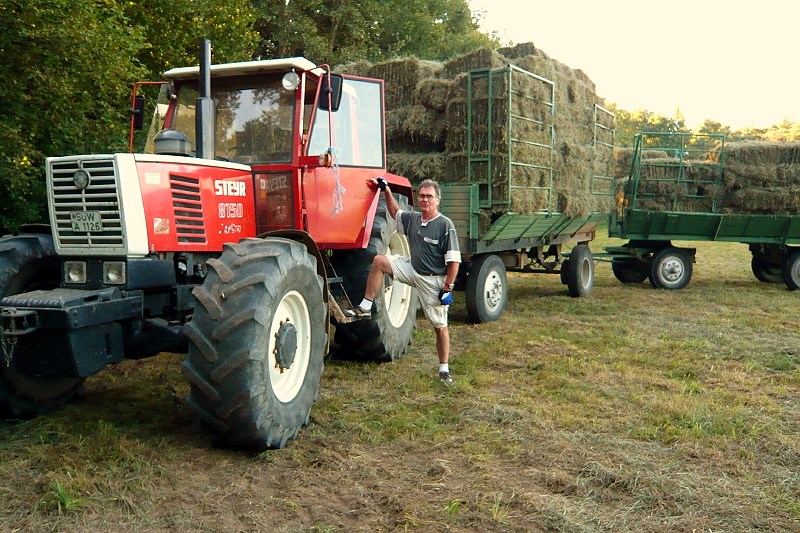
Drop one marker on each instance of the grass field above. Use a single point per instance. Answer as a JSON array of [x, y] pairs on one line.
[[633, 409]]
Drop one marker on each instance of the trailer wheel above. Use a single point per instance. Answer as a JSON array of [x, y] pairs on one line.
[[28, 262], [629, 270], [766, 271], [791, 271], [257, 343], [580, 271], [671, 269], [385, 336], [487, 289]]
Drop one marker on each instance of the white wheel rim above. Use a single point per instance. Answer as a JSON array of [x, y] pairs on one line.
[[586, 270], [397, 296], [493, 290], [672, 269], [286, 384]]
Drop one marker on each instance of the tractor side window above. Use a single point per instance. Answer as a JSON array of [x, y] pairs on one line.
[[357, 126]]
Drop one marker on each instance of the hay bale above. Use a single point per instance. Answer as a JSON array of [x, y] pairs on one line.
[[762, 164], [433, 93], [355, 68], [763, 200], [427, 114], [417, 166], [482, 58], [519, 50], [401, 77]]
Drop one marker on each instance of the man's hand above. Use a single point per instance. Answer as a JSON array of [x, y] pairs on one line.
[[380, 182], [445, 297]]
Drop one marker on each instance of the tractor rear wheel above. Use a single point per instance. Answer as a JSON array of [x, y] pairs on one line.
[[27, 263], [580, 271], [386, 335], [257, 342]]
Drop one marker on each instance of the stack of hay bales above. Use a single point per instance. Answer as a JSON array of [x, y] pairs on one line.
[[762, 177], [427, 137], [759, 177]]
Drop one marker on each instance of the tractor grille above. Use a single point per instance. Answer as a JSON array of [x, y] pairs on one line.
[[188, 209], [101, 196]]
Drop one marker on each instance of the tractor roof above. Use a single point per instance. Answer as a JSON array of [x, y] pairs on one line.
[[245, 67]]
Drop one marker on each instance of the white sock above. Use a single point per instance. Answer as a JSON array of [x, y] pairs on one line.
[[444, 367], [365, 304]]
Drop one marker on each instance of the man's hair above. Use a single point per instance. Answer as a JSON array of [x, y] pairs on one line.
[[433, 185]]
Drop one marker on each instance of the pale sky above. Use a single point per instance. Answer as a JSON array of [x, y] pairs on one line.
[[732, 61]]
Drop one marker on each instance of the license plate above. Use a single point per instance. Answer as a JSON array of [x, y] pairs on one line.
[[86, 221]]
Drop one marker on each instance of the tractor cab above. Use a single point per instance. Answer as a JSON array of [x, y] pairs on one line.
[[311, 138]]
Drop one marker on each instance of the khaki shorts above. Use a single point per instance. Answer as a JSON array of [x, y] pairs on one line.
[[428, 288]]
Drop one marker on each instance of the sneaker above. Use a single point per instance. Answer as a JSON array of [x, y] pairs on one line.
[[446, 378]]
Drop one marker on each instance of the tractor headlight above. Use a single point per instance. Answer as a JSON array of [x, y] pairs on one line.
[[114, 273], [74, 271], [290, 81]]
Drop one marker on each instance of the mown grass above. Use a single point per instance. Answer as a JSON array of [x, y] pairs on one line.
[[629, 410]]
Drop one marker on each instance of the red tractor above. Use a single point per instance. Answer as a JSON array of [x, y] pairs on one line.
[[246, 228]]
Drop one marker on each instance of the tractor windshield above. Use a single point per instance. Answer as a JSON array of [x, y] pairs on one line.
[[254, 118]]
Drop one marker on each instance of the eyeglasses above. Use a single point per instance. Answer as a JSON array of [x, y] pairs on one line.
[[426, 196]]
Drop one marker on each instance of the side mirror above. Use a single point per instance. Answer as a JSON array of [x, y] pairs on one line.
[[331, 88], [138, 112]]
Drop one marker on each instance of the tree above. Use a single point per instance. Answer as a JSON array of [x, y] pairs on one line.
[[172, 30], [67, 90], [785, 131], [630, 123], [710, 126], [340, 31], [61, 93]]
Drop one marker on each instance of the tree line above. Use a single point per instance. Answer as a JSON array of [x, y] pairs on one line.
[[69, 65]]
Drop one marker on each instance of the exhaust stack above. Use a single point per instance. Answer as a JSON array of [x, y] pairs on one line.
[[205, 109]]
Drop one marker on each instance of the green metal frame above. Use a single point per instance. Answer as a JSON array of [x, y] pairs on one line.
[[475, 158], [604, 137], [632, 222]]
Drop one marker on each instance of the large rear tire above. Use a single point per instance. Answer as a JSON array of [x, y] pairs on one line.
[[27, 263], [487, 289], [257, 343], [387, 335]]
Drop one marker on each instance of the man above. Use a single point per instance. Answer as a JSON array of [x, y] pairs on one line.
[[432, 269]]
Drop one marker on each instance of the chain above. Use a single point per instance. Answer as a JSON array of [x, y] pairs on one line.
[[8, 343]]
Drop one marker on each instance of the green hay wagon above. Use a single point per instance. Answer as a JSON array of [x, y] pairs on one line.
[[684, 196], [507, 212]]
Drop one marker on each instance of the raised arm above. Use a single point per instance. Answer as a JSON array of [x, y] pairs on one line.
[[391, 204]]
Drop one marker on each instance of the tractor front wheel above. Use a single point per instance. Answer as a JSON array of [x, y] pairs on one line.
[[28, 262], [257, 343]]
